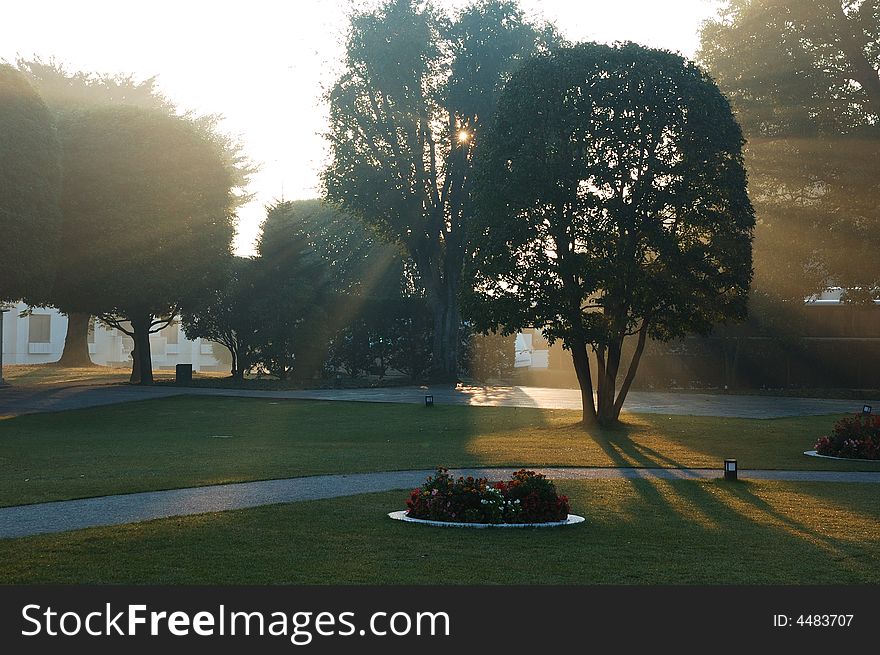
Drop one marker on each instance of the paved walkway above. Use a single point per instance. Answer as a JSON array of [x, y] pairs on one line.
[[28, 400], [25, 520]]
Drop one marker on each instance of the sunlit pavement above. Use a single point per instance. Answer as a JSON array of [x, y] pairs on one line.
[[62, 516], [29, 400]]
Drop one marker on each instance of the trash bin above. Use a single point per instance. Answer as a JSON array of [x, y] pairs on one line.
[[183, 374]]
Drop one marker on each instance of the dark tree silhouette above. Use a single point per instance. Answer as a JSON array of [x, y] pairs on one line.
[[405, 120], [614, 204], [148, 218], [30, 177]]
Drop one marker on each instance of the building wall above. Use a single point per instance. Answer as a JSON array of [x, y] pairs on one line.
[[107, 347]]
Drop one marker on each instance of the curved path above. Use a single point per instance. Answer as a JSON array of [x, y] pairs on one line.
[[15, 401], [61, 516]]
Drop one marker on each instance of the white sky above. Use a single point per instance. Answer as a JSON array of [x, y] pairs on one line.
[[263, 64]]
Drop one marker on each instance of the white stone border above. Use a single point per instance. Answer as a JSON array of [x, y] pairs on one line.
[[813, 453], [401, 516]]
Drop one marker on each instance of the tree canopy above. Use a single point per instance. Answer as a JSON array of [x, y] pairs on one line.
[[148, 218], [291, 287], [804, 80], [67, 91], [226, 315], [405, 119], [613, 198], [30, 178]]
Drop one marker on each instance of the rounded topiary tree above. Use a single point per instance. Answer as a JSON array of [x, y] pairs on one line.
[[613, 203], [30, 175]]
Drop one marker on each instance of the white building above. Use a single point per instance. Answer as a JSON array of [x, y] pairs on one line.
[[39, 339], [532, 350]]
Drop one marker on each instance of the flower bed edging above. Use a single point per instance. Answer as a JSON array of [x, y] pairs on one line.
[[813, 453], [571, 520]]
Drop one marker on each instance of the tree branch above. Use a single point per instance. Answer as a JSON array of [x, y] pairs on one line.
[[633, 366], [853, 46]]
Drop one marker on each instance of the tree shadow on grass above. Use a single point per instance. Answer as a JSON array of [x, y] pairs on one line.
[[723, 503]]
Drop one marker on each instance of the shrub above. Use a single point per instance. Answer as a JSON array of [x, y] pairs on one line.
[[857, 437], [528, 497]]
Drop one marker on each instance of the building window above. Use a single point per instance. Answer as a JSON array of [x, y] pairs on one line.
[[39, 328]]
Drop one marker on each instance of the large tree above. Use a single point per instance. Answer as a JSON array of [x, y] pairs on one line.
[[66, 91], [292, 285], [614, 204], [29, 185], [406, 117], [148, 210], [30, 178], [803, 77]]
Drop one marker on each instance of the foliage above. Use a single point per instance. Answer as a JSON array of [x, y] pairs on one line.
[[65, 90], [614, 204], [388, 333], [528, 497], [148, 219], [804, 80], [855, 437], [225, 315], [489, 356], [109, 258], [357, 261], [30, 179], [291, 287], [364, 298], [405, 117], [411, 335]]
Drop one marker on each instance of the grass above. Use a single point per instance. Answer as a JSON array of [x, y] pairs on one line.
[[49, 374], [637, 532], [172, 443]]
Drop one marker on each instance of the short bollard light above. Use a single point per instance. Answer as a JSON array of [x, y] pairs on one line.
[[730, 469], [866, 409], [429, 401]]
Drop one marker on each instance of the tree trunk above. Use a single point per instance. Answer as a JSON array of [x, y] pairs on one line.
[[235, 371], [447, 326], [76, 342], [142, 364], [309, 361], [631, 372], [605, 411], [853, 43], [135, 376], [581, 361], [731, 362]]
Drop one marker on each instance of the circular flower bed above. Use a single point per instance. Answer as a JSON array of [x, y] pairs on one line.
[[853, 438], [528, 497]]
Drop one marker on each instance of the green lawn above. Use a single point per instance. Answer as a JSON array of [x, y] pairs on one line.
[[175, 442], [48, 374], [637, 532]]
